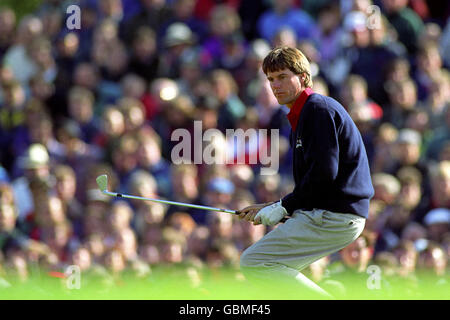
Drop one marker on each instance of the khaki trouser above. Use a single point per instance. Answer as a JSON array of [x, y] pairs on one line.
[[306, 237]]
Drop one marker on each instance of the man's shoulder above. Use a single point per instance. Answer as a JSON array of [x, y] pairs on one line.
[[321, 102], [325, 105]]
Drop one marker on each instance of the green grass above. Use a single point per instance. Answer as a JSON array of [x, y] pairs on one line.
[[223, 284]]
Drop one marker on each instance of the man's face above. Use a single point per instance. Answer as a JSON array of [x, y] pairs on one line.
[[286, 86], [7, 218]]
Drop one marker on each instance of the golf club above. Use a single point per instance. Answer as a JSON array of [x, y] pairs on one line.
[[102, 182]]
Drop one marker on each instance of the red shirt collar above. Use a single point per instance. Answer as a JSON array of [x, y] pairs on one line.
[[296, 109]]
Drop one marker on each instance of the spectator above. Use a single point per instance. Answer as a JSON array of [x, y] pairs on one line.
[[419, 120], [406, 22], [242, 176], [388, 263], [35, 183], [150, 254], [437, 222], [433, 258], [40, 51], [267, 188], [429, 66], [414, 191], [414, 232], [221, 226], [387, 188], [285, 36], [267, 108], [403, 99], [218, 192], [96, 247], [7, 26], [81, 257], [284, 13], [198, 242], [17, 265], [355, 256], [10, 234], [111, 9], [193, 62], [152, 14], [12, 117], [151, 160], [224, 25], [66, 186], [374, 222], [406, 254], [177, 39], [133, 114], [182, 222], [115, 262], [438, 99], [59, 239], [144, 60], [329, 32], [67, 55], [120, 216], [222, 253], [318, 269], [86, 75], [17, 57], [134, 87], [384, 147], [440, 193], [172, 246], [250, 75], [231, 107], [407, 152], [124, 158], [398, 69], [177, 113], [439, 138], [185, 186], [141, 184], [112, 127], [125, 240], [246, 234], [81, 109], [320, 86]]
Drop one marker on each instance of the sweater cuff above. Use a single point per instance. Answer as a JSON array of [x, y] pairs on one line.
[[288, 203]]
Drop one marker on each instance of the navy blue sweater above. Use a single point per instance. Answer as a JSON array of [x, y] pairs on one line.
[[330, 165]]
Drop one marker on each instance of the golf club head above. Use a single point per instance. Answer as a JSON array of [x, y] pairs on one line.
[[102, 182]]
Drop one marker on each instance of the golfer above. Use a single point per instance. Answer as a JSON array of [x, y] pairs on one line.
[[330, 201]]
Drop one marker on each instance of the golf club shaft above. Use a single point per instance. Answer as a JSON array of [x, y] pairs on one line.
[[182, 204], [102, 182], [195, 206]]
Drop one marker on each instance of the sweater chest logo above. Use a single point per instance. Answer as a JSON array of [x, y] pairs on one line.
[[298, 143]]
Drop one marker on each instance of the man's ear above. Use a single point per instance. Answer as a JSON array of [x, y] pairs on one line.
[[302, 78]]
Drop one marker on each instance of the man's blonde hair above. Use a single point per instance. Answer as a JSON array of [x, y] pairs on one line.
[[288, 58]]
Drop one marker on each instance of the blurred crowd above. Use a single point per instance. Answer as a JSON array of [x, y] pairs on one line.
[[106, 98]]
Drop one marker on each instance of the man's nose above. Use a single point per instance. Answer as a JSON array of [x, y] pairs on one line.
[[276, 84]]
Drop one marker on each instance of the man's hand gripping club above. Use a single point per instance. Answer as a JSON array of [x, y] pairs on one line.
[[268, 214]]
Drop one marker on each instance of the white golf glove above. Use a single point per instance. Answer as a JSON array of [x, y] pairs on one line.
[[272, 214]]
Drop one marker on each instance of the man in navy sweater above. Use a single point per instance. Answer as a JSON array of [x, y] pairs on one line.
[[330, 202]]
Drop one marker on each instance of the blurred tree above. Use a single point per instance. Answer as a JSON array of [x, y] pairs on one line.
[[22, 8]]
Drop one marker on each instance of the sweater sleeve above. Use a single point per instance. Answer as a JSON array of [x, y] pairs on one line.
[[321, 158]]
